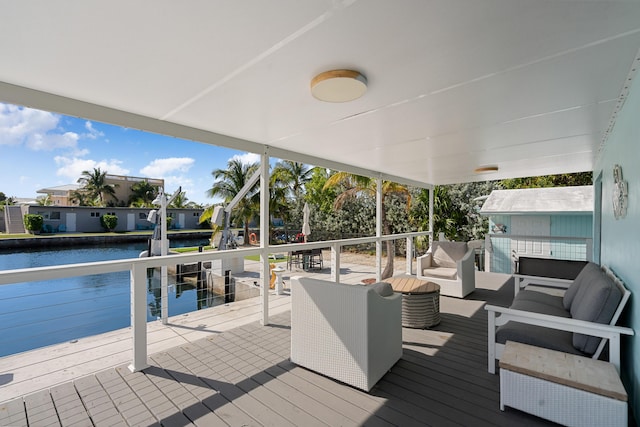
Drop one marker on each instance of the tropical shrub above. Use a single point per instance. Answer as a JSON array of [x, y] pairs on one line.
[[109, 222], [33, 223]]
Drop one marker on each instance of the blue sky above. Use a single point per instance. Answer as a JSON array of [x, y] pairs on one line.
[[40, 149]]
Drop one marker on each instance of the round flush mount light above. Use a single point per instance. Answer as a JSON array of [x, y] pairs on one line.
[[486, 169], [338, 86]]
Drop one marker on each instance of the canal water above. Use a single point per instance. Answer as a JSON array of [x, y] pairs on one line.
[[38, 314]]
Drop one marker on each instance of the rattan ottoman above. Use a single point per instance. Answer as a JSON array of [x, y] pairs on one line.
[[420, 301]]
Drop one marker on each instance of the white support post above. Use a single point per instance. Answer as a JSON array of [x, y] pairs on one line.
[[614, 351], [264, 235], [139, 317], [164, 250], [409, 256], [379, 228], [491, 341], [335, 263], [431, 191]]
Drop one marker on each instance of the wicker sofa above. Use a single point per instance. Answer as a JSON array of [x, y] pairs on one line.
[[351, 333], [578, 322]]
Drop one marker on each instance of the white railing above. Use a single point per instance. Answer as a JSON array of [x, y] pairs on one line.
[[137, 268]]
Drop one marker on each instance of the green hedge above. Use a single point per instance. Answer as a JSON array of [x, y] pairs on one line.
[[109, 222], [33, 222]]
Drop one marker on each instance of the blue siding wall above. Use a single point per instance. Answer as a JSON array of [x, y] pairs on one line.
[[570, 226], [501, 261], [620, 241], [561, 225]]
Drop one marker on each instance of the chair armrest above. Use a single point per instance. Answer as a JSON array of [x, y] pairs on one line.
[[612, 333], [423, 262], [467, 265], [554, 322]]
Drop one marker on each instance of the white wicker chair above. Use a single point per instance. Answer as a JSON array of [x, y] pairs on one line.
[[350, 333], [451, 265]]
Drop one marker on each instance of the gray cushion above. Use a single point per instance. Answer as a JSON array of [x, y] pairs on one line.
[[441, 272], [596, 301], [536, 335], [383, 288], [589, 271], [446, 254], [540, 302]]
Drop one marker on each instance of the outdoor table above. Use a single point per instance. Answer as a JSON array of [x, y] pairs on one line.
[[420, 301]]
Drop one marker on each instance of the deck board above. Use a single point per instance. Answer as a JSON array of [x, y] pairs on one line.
[[242, 376]]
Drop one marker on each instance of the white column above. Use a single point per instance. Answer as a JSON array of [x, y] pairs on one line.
[[139, 317], [264, 235], [335, 263], [431, 215], [379, 228], [164, 250], [409, 256]]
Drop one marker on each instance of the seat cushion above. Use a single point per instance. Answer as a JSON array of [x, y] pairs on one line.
[[595, 301], [540, 302], [441, 272], [589, 272], [536, 335], [447, 254]]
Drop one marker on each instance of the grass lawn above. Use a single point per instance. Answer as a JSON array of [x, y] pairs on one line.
[[257, 258], [208, 248]]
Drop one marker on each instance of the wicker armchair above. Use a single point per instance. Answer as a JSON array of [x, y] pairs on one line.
[[351, 333]]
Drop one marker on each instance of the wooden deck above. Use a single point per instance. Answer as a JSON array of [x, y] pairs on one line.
[[242, 376]]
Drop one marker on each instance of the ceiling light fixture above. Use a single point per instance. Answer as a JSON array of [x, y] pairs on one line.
[[338, 86], [486, 169]]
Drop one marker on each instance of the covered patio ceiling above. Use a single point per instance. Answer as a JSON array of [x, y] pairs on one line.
[[531, 87]]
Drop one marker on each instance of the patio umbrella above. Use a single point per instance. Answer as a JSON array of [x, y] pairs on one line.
[[306, 229]]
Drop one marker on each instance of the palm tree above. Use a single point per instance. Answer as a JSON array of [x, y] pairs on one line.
[[181, 201], [356, 185], [95, 186], [45, 201], [142, 194], [80, 198], [229, 182], [292, 175]]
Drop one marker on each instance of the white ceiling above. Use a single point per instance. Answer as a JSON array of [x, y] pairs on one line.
[[530, 86]]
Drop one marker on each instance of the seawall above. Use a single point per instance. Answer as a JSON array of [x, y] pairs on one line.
[[60, 240]]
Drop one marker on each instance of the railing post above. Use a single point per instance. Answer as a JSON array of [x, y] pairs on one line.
[[139, 317], [264, 235], [409, 254], [335, 262]]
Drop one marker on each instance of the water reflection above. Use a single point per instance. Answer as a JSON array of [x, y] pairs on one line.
[[37, 314]]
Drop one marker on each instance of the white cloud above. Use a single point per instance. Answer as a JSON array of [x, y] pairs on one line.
[[247, 158], [92, 132], [159, 168], [72, 167], [37, 130], [172, 182]]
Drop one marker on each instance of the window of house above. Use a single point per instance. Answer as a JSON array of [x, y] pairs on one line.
[[55, 215], [142, 215]]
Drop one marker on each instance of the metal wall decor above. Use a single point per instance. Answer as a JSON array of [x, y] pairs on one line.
[[620, 194]]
